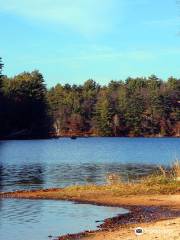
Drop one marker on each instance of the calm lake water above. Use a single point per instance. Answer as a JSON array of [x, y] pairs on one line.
[[61, 162], [32, 219]]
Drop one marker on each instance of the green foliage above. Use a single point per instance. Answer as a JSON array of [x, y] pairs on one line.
[[103, 116], [25, 106], [135, 107], [1, 67], [2, 105]]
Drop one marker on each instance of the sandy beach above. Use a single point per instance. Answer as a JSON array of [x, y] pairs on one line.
[[162, 230], [157, 214]]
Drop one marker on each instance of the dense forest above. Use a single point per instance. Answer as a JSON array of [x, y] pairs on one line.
[[134, 107]]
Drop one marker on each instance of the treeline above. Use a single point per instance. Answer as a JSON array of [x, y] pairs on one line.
[[135, 107], [23, 106]]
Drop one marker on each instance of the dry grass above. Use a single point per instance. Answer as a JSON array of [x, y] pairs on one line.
[[176, 170], [148, 186], [163, 182], [113, 178]]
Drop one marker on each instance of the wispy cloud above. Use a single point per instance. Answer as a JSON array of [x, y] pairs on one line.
[[84, 16], [110, 53], [101, 54], [93, 54]]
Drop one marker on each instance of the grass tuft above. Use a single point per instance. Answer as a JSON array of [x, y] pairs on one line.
[[161, 182], [176, 170]]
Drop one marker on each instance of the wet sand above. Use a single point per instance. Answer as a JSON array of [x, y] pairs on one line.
[[98, 197], [159, 215], [124, 225]]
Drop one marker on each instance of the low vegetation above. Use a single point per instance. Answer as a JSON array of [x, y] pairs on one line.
[[163, 181], [176, 170]]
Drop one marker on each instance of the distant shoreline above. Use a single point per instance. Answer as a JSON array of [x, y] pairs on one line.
[[80, 136]]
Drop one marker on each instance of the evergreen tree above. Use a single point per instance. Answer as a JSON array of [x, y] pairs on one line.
[[103, 117], [136, 107]]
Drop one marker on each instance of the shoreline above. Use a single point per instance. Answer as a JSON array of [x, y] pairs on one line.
[[82, 136], [155, 230], [138, 215], [144, 209]]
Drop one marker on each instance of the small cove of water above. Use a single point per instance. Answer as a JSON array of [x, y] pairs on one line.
[[38, 219]]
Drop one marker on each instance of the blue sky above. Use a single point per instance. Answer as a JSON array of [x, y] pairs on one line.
[[70, 41]]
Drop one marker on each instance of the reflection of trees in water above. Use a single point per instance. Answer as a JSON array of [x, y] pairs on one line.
[[92, 173], [30, 175], [1, 169], [1, 177], [66, 174], [98, 172], [130, 171], [14, 177]]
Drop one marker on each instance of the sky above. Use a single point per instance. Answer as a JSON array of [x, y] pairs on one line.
[[70, 41]]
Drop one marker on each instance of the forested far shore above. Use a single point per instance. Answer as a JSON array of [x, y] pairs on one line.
[[142, 106]]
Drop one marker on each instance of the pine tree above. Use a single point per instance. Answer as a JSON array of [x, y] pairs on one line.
[[103, 116]]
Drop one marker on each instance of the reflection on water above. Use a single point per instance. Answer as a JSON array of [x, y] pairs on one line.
[[30, 219], [62, 162], [1, 177], [32, 176]]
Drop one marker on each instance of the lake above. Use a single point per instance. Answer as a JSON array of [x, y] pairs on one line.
[[32, 219], [61, 162], [36, 164]]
